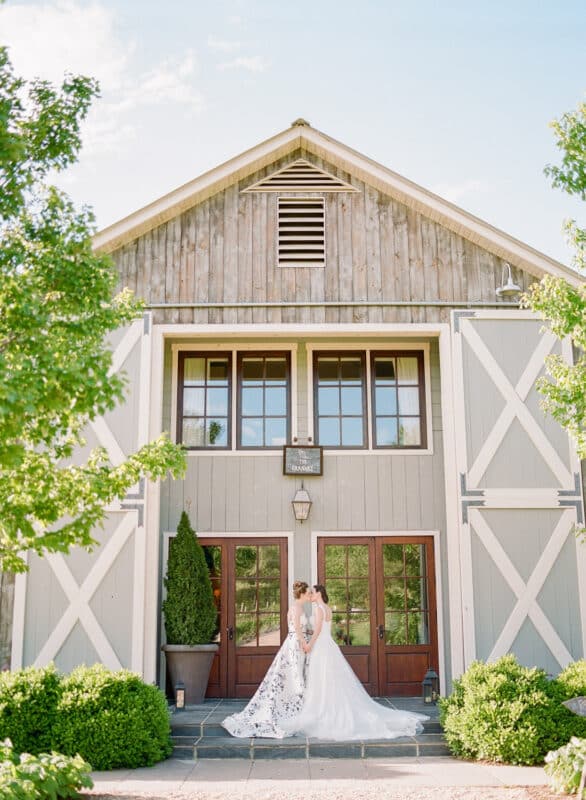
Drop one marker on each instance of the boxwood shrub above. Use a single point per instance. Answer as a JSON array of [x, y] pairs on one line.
[[112, 719], [28, 708], [506, 712]]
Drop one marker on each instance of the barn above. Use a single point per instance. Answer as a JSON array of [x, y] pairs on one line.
[[321, 329]]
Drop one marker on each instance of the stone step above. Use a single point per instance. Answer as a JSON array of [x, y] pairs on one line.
[[221, 747], [195, 730], [197, 733]]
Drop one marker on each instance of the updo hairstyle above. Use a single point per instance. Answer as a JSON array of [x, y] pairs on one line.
[[319, 587], [299, 588]]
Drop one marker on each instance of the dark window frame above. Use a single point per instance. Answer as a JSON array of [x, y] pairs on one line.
[[240, 355], [420, 355], [206, 354], [317, 354]]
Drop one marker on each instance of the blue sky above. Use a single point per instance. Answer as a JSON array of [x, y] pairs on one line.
[[456, 96]]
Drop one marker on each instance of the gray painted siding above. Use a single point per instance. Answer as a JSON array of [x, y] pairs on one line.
[[358, 491]]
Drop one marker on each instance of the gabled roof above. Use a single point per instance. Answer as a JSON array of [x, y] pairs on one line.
[[302, 136]]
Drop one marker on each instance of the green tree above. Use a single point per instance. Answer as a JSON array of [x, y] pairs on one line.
[[189, 609], [559, 302], [58, 303]]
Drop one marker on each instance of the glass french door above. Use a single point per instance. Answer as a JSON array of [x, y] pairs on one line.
[[249, 581], [382, 593]]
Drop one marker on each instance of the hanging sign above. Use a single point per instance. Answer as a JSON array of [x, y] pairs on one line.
[[302, 460]]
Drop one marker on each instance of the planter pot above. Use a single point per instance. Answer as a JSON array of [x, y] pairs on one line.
[[190, 665]]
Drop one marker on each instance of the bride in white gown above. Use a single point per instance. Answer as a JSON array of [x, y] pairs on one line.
[[280, 695], [336, 706]]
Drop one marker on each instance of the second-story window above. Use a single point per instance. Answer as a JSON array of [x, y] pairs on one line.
[[339, 385], [203, 418], [263, 400]]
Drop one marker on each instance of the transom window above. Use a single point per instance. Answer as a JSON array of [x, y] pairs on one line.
[[263, 403], [203, 417], [395, 381]]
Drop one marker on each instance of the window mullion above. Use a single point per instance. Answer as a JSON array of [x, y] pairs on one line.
[[369, 405], [234, 403]]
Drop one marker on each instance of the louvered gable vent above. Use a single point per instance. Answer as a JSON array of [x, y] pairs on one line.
[[301, 176], [301, 232]]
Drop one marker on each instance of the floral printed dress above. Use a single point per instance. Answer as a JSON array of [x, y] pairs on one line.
[[279, 696]]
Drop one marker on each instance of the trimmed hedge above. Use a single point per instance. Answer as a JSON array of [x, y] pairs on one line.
[[509, 713], [111, 719], [28, 708]]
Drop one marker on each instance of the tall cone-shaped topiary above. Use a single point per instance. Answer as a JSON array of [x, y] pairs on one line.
[[189, 609]]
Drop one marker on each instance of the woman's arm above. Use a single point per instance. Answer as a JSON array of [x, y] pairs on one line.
[[319, 621]]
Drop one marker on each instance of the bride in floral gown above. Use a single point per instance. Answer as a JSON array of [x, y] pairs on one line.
[[280, 695]]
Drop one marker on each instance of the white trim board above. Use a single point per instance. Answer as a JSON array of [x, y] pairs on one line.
[[315, 535], [359, 166]]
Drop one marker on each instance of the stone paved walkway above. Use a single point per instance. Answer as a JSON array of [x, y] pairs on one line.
[[324, 779]]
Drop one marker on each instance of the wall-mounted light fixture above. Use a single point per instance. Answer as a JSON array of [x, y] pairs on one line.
[[301, 504], [507, 288]]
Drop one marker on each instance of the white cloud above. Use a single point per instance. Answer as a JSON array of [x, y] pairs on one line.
[[47, 40], [223, 45], [252, 64]]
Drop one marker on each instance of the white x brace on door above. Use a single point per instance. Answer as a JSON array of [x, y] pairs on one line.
[[520, 497], [89, 607]]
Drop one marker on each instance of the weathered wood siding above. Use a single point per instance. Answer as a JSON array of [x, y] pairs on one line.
[[225, 250]]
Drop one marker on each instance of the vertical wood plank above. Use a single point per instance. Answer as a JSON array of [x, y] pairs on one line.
[[472, 271], [231, 499], [446, 270], [430, 266], [140, 267], [202, 260], [415, 263], [273, 271], [345, 262], [158, 270], [244, 255], [401, 268], [390, 287], [230, 266], [259, 261], [187, 270], [172, 267], [327, 280], [216, 279], [219, 487], [373, 252], [132, 266], [359, 276]]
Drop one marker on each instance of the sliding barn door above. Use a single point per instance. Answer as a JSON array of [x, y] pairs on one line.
[[90, 607], [520, 496]]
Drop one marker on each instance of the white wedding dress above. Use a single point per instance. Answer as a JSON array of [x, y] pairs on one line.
[[280, 695], [337, 707]]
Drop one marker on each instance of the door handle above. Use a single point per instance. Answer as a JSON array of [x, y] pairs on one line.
[[230, 632], [380, 631]]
